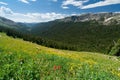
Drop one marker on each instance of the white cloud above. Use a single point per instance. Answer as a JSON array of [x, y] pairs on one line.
[[33, 0], [4, 11], [54, 0], [101, 3], [24, 1], [29, 17], [80, 3], [3, 3], [65, 7], [27, 1], [75, 3]]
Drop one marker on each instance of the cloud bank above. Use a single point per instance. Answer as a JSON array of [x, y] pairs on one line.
[[75, 3], [80, 3], [101, 3], [29, 17], [27, 1], [3, 3]]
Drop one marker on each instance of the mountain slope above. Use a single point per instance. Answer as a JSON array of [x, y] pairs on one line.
[[13, 25], [24, 60], [86, 36]]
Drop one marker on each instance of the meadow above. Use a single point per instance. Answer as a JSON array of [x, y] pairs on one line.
[[22, 60]]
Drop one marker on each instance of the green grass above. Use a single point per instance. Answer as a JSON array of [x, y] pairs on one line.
[[22, 60]]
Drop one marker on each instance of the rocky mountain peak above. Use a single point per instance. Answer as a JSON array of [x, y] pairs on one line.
[[104, 18]]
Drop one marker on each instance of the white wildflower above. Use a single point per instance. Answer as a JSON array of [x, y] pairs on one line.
[[119, 69]]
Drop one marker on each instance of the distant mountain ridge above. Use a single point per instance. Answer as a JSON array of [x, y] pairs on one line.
[[4, 22], [104, 18], [7, 23]]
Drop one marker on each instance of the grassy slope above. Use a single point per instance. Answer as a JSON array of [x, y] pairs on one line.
[[27, 61]]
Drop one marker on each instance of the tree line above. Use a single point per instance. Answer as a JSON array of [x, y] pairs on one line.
[[36, 39]]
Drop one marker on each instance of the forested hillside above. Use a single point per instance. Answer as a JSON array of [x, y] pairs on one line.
[[84, 36]]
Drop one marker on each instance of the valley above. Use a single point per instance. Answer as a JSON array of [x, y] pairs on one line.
[[86, 32]]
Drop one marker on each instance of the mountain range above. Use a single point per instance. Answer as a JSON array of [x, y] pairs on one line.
[[104, 18], [87, 32]]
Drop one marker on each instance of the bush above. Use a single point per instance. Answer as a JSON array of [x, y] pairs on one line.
[[116, 49]]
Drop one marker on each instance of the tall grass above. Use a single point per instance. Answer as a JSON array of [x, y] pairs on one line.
[[21, 60]]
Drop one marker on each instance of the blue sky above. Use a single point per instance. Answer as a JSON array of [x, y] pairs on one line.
[[46, 10]]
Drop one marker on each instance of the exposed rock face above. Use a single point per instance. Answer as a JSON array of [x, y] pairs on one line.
[[104, 18]]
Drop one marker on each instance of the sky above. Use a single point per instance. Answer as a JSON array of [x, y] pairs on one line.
[[30, 11]]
